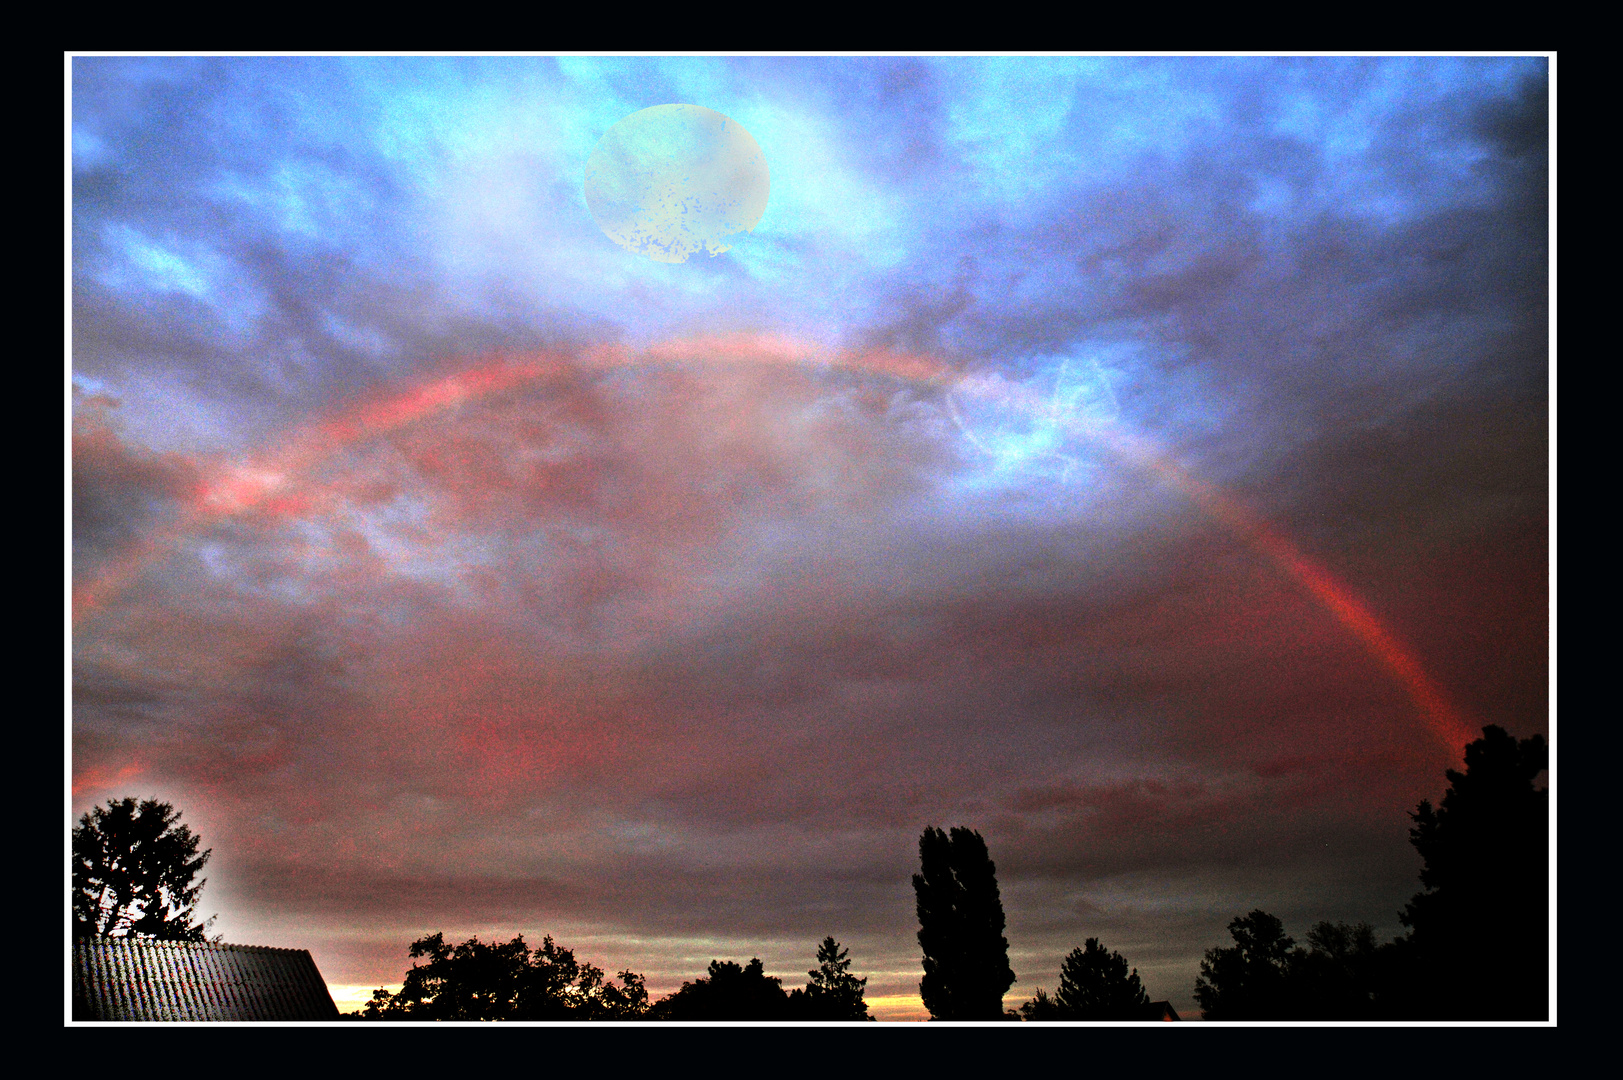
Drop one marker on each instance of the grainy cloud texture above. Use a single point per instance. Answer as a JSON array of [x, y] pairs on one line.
[[1141, 461]]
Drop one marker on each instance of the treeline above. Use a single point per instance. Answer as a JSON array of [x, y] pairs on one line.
[[507, 981], [1475, 945]]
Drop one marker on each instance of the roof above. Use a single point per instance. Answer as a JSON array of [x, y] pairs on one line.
[[1160, 1010], [145, 979]]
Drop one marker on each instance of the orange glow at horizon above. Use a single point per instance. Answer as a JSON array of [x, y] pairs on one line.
[[266, 486]]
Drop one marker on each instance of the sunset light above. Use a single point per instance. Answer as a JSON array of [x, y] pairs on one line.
[[627, 502]]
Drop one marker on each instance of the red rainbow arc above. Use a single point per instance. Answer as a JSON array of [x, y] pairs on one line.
[[257, 485]]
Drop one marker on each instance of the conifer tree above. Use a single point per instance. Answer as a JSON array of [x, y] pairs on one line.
[[833, 992], [134, 871]]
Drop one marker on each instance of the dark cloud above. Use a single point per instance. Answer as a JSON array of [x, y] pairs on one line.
[[678, 656], [118, 490]]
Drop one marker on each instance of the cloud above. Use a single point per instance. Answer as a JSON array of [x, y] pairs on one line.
[[118, 490], [435, 618]]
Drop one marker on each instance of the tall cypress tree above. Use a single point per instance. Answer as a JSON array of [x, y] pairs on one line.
[[966, 956]]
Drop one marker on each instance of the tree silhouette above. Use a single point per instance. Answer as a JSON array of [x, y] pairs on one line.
[[1477, 946], [558, 987], [1478, 936], [966, 956], [1041, 1007], [505, 981], [133, 871], [1266, 976], [471, 981], [1337, 977], [727, 992], [833, 992], [1247, 981], [1094, 984]]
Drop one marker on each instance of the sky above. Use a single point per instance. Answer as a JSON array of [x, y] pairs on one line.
[[1140, 460]]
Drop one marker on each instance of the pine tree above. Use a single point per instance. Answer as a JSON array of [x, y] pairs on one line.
[[833, 992], [1095, 984], [133, 871]]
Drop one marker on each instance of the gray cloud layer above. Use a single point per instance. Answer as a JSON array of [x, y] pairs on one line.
[[689, 653]]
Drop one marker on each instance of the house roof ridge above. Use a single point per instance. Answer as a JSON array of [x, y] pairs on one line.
[[145, 942]]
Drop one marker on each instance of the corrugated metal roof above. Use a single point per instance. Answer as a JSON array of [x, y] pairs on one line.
[[143, 979]]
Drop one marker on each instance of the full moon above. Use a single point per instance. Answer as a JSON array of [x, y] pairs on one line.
[[674, 180]]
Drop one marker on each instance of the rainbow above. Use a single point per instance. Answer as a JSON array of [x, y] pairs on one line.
[[263, 484]]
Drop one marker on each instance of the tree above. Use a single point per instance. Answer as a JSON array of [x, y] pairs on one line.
[[505, 981], [1247, 981], [471, 981], [966, 956], [1093, 985], [133, 871], [727, 992], [1337, 976], [833, 992], [557, 987], [1478, 940], [1042, 1007]]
